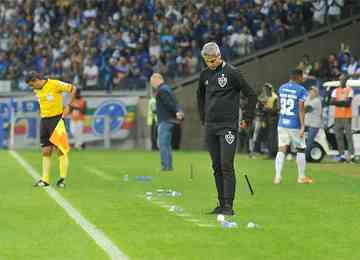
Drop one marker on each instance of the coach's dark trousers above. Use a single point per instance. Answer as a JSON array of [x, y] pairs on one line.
[[222, 146]]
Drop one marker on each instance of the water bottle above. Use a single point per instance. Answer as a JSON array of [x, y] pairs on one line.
[[176, 209], [176, 194], [253, 225], [126, 177], [229, 224], [179, 210], [160, 192], [143, 178]]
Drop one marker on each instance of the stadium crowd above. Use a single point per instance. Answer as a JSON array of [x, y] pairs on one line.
[[118, 44]]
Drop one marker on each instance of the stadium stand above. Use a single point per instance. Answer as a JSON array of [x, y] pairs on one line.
[[118, 44]]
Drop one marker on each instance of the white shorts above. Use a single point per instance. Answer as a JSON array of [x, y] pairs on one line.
[[286, 136]]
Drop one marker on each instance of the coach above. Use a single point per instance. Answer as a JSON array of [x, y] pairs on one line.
[[218, 98], [168, 113]]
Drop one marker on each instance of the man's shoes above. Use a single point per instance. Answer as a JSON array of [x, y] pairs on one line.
[[277, 180], [60, 183], [305, 180], [41, 183], [217, 210], [167, 169], [227, 211]]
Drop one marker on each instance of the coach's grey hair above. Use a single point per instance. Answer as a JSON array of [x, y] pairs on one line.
[[210, 49]]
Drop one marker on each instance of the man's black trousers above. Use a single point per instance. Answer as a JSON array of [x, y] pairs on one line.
[[222, 147]]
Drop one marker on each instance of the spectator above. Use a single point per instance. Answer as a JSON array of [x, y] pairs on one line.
[[345, 63], [3, 65], [305, 65], [168, 112], [259, 125], [319, 11], [121, 70], [78, 108], [333, 67], [354, 66], [91, 74], [313, 117], [190, 63], [41, 33], [152, 121], [240, 41], [271, 118], [334, 11], [341, 98]]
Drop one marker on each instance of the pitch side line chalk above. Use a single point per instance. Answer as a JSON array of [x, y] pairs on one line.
[[96, 234], [192, 220], [185, 216], [100, 174]]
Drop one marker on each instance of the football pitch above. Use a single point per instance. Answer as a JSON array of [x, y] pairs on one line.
[[318, 221]]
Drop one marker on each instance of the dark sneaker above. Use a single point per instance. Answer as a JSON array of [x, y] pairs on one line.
[[166, 169], [228, 211], [41, 183], [60, 183], [217, 210]]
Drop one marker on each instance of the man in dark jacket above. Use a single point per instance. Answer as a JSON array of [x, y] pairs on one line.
[[218, 98], [168, 112]]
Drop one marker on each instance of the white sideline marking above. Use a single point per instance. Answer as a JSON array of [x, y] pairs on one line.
[[165, 206], [186, 216], [96, 234], [99, 173], [192, 220], [205, 225]]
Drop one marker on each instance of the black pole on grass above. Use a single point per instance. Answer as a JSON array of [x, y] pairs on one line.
[[249, 184], [191, 171]]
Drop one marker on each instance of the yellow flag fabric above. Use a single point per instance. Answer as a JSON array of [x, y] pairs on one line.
[[59, 137]]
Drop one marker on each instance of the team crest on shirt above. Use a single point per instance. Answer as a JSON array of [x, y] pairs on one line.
[[229, 137], [222, 81]]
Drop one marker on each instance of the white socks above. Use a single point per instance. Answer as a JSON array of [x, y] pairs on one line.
[[301, 163], [279, 162]]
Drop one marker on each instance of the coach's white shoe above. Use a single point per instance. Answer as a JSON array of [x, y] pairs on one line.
[[276, 180], [305, 180]]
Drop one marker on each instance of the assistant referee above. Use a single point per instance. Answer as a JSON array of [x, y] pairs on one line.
[[218, 97], [49, 94]]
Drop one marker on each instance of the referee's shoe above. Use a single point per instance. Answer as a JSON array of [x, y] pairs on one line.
[[41, 183], [60, 183]]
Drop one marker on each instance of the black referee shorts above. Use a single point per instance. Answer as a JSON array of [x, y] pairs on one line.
[[47, 126]]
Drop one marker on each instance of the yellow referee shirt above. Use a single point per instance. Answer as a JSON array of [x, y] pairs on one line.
[[50, 97]]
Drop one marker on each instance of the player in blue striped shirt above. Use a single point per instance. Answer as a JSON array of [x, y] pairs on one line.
[[291, 125]]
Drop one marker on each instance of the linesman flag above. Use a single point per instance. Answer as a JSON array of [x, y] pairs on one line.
[[59, 137]]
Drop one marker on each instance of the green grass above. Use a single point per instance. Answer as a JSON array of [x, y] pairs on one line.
[[318, 221]]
